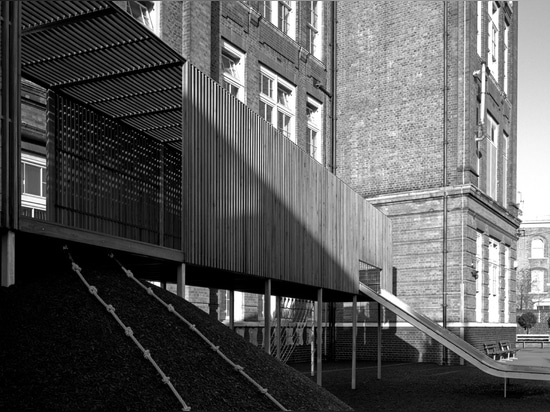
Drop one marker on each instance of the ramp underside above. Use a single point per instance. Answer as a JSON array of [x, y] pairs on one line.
[[452, 341]]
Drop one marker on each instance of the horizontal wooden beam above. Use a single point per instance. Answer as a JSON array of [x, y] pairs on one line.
[[56, 231]]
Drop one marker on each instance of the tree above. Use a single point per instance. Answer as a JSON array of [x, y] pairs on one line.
[[527, 320], [524, 297]]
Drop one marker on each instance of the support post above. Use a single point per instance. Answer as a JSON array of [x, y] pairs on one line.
[[181, 281], [267, 317], [278, 326], [232, 309], [320, 337], [379, 344], [354, 343], [7, 258]]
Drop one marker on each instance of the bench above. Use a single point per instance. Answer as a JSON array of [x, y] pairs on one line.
[[532, 338], [493, 350], [505, 346]]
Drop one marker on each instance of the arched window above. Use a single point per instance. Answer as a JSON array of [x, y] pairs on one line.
[[537, 248]]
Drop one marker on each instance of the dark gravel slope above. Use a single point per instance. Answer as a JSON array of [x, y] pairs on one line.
[[61, 350]]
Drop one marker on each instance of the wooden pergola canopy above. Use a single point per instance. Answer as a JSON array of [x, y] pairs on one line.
[[93, 52]]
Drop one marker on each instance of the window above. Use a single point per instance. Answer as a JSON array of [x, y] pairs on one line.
[[277, 102], [314, 129], [33, 184], [479, 279], [505, 170], [147, 13], [537, 281], [492, 160], [506, 55], [281, 14], [479, 17], [507, 274], [537, 249], [313, 40], [233, 63], [493, 40], [494, 284]]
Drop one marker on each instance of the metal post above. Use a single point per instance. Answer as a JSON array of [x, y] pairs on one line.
[[267, 316], [232, 309], [354, 343], [7, 258], [320, 337], [181, 281], [379, 344], [278, 326]]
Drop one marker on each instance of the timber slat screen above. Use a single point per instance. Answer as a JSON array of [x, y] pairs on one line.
[[260, 205], [109, 178]]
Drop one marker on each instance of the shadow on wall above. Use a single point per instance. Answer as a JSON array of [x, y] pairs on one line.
[[262, 206]]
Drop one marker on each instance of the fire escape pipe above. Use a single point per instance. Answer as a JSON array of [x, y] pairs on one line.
[[445, 114], [333, 84]]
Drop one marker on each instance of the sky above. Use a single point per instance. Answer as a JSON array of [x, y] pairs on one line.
[[533, 136]]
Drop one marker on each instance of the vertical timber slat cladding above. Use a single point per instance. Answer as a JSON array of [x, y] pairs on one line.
[[107, 176], [263, 206]]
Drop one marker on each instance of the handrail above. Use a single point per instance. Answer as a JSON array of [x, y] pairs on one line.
[[216, 349], [127, 330], [454, 342]]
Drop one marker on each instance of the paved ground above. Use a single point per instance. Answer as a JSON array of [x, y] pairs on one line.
[[430, 387]]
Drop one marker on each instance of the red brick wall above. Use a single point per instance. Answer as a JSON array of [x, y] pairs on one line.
[[390, 96]]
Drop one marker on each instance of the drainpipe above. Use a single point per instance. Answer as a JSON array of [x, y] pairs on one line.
[[444, 286], [333, 81]]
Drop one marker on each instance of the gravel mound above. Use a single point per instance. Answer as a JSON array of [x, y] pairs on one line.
[[61, 350]]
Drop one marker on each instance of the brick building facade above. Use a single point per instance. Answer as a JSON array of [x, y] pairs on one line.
[[533, 288], [413, 105], [427, 132]]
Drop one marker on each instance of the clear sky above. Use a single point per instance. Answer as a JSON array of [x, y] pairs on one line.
[[534, 108]]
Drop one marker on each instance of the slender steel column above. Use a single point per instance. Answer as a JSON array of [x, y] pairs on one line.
[[354, 343]]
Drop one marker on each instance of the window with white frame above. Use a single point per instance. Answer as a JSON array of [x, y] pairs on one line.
[[33, 183], [281, 14], [265, 10], [506, 55], [147, 13], [507, 275], [505, 170], [314, 129], [233, 64], [479, 24], [537, 281], [537, 248], [479, 279], [314, 35], [277, 102], [494, 280], [493, 38], [492, 158]]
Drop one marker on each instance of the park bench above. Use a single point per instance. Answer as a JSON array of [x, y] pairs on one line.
[[505, 346], [533, 338], [493, 350]]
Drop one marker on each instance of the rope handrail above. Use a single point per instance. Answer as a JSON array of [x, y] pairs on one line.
[[127, 330], [215, 348]]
